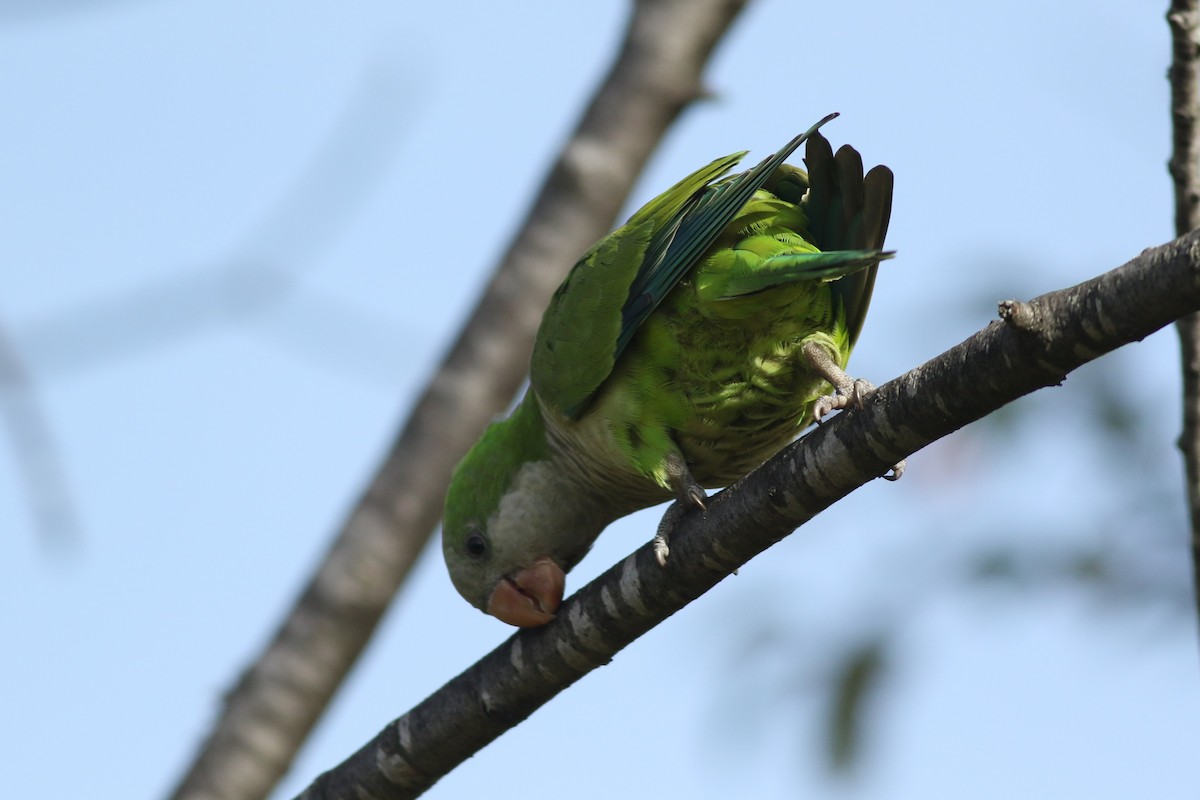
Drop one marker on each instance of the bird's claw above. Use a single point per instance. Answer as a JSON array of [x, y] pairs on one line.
[[688, 494], [840, 400], [661, 548], [852, 392], [675, 512], [847, 391]]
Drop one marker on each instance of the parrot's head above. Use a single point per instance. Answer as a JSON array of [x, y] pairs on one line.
[[505, 538]]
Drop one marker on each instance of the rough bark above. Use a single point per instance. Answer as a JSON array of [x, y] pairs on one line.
[[279, 698], [1036, 345], [1184, 21]]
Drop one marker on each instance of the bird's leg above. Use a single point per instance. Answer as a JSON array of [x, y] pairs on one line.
[[847, 390], [688, 493]]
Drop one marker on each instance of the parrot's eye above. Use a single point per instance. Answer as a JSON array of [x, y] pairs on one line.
[[476, 545]]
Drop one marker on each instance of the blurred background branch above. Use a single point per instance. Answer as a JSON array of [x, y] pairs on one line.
[[37, 456], [14, 12], [263, 271], [261, 276]]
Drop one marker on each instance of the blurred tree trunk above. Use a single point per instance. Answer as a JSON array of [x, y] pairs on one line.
[[1184, 20], [278, 699]]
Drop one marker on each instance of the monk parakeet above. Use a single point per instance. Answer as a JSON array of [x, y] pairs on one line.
[[683, 350]]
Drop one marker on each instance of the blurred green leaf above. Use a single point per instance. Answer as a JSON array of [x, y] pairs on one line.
[[854, 690]]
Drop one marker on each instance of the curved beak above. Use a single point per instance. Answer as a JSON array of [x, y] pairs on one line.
[[530, 597]]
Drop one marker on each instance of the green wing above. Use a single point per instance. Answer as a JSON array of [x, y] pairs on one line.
[[699, 225], [618, 284], [576, 345]]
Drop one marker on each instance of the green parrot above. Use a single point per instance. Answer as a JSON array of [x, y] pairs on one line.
[[683, 350]]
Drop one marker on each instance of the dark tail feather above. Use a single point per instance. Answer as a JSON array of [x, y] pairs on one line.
[[847, 211]]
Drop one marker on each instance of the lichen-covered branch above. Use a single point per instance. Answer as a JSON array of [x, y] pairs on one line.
[[278, 699], [1184, 20], [1035, 345]]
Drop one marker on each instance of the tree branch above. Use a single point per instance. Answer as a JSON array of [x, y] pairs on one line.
[[1037, 345], [37, 455], [279, 698], [1184, 21]]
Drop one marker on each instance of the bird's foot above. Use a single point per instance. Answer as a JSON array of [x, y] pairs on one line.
[[844, 396], [847, 391], [689, 494]]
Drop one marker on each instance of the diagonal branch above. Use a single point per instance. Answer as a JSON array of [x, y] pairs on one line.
[[1037, 346], [259, 273], [279, 698], [1184, 20], [38, 457]]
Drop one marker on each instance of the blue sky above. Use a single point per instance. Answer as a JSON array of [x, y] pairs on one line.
[[225, 317]]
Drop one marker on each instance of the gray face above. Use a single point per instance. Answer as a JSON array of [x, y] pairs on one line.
[[538, 517]]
